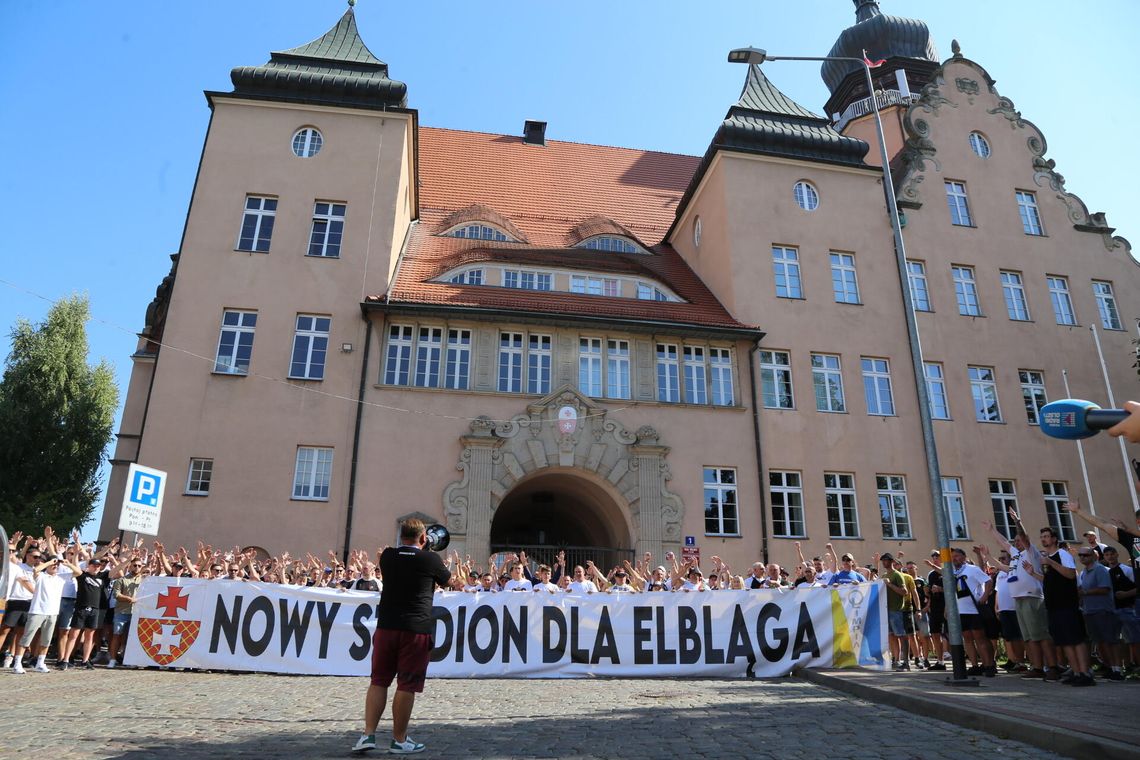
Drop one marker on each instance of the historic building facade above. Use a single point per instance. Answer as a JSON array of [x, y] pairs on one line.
[[546, 344]]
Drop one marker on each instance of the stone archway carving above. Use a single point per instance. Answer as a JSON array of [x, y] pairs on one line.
[[497, 455]]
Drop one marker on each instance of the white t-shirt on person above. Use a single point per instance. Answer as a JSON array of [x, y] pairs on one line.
[[973, 578], [16, 590], [698, 586], [622, 589], [540, 587], [585, 587], [49, 591], [513, 585], [1019, 582]]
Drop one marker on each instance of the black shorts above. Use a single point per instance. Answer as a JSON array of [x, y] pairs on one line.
[[1010, 630], [16, 613], [1066, 627], [87, 618], [972, 622], [937, 619]]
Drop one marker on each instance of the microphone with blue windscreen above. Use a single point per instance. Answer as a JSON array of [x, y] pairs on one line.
[[1073, 419]]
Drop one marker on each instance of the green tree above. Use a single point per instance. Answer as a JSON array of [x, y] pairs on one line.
[[56, 414]]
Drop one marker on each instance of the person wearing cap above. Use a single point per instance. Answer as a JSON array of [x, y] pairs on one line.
[[1094, 584], [1124, 596], [1093, 540], [695, 580], [659, 580], [42, 612], [621, 583], [846, 573], [897, 613], [21, 587], [91, 605]]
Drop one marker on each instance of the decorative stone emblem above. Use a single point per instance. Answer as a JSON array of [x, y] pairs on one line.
[[567, 420]]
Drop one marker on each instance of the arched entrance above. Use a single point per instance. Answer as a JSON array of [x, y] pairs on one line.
[[561, 510]]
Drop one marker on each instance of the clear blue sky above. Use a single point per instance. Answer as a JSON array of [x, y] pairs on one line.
[[105, 114]]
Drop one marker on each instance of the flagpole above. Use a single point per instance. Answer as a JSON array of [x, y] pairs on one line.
[[1128, 474]]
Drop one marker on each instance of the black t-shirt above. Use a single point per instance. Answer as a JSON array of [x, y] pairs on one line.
[[934, 580], [1120, 582], [90, 588], [1060, 592], [410, 577], [1131, 543], [920, 587], [364, 584]]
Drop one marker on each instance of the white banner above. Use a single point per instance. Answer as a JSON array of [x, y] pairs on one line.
[[231, 625]]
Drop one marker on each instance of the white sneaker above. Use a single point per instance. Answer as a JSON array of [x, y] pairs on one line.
[[406, 747], [365, 743], [111, 664], [42, 668], [18, 668], [7, 661]]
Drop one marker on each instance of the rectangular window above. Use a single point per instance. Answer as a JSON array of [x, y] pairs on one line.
[[646, 292], [328, 228], [538, 362], [1056, 493], [617, 369], [786, 267], [594, 286], [257, 224], [696, 385], [429, 355], [919, 292], [1003, 497], [1014, 291], [526, 280], [310, 346], [470, 277], [955, 508], [235, 343], [936, 390], [199, 476], [827, 379], [983, 387], [843, 280], [877, 386], [720, 369], [590, 366], [776, 379], [959, 205], [1106, 305], [842, 512], [1027, 208], [787, 497], [398, 360], [312, 474], [893, 509], [457, 370], [1033, 392], [966, 290], [1062, 303], [510, 362], [721, 514], [668, 373]]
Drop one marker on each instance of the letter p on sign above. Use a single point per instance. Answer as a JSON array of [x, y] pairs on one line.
[[144, 489], [142, 500]]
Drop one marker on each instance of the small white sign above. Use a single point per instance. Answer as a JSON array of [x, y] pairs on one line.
[[142, 500]]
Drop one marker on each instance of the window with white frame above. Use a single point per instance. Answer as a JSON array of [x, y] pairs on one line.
[[235, 343], [787, 496], [1106, 305], [696, 384], [959, 204], [257, 224], [807, 197], [844, 282], [966, 291], [877, 386], [983, 387], [919, 292], [468, 277], [328, 229], [609, 243], [786, 267], [310, 347], [776, 379], [590, 366], [198, 477], [647, 292], [511, 362], [477, 231], [979, 145], [1003, 498], [525, 279], [722, 516], [1033, 392], [1027, 209], [936, 390], [457, 369], [617, 369], [595, 286], [307, 142], [894, 510], [842, 509], [312, 474], [668, 373], [1062, 303], [398, 359], [519, 351], [429, 357], [720, 376], [955, 505], [422, 358], [1056, 493], [1014, 291], [539, 356], [827, 380]]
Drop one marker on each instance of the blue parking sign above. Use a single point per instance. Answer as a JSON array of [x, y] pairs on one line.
[[142, 500], [145, 488]]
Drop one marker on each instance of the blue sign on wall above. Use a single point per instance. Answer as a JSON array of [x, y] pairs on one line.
[[145, 488]]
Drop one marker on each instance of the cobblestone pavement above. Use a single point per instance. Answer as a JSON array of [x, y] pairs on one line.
[[180, 715]]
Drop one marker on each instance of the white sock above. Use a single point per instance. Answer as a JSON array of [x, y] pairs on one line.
[[40, 660]]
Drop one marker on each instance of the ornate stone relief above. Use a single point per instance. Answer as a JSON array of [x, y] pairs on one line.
[[968, 86], [496, 455]]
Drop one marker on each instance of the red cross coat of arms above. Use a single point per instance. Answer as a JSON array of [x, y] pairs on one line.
[[167, 638], [567, 420]]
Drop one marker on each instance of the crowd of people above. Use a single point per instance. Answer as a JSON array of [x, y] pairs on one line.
[[1053, 609]]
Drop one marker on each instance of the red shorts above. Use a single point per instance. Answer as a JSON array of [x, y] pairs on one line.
[[401, 655]]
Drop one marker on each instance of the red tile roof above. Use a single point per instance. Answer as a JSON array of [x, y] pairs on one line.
[[547, 192]]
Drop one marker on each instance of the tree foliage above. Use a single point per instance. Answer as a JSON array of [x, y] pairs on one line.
[[56, 415]]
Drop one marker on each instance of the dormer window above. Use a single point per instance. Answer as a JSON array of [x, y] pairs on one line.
[[478, 231], [647, 292], [467, 277], [609, 243]]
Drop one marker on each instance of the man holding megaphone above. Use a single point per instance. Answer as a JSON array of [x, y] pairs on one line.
[[1130, 426]]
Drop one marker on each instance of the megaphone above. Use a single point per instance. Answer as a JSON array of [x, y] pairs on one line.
[[438, 537], [1073, 419]]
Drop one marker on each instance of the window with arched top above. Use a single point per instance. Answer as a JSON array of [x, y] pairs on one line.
[[609, 243], [697, 232], [307, 142], [479, 231], [979, 145], [807, 197]]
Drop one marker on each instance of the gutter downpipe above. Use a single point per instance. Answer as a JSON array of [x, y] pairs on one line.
[[356, 442], [759, 456]]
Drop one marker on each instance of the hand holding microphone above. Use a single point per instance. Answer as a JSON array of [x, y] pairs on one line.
[[1073, 419]]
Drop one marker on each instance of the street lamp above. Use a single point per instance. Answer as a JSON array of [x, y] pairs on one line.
[[758, 56]]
